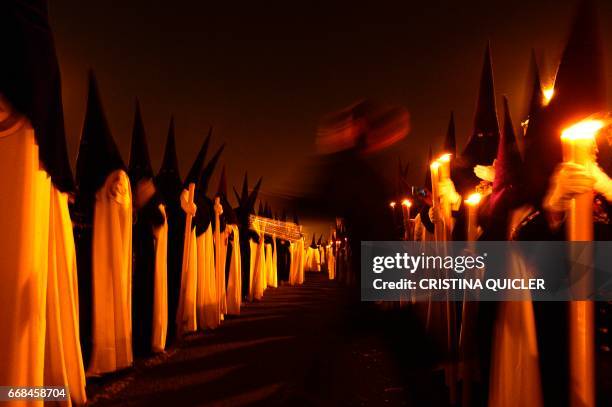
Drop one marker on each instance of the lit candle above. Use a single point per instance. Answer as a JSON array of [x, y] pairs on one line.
[[435, 198], [579, 147], [445, 205], [406, 204], [548, 93], [472, 203]]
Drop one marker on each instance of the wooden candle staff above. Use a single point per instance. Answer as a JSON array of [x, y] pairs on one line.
[[579, 147]]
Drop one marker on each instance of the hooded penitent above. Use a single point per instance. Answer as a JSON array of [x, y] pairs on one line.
[[481, 147], [210, 294], [186, 316], [169, 186], [535, 101], [233, 262], [104, 195], [39, 317], [580, 92], [506, 185], [149, 282], [450, 145]]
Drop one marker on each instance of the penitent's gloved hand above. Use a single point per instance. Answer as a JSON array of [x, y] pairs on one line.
[[485, 172], [448, 192], [603, 183], [189, 208], [434, 214], [568, 180]]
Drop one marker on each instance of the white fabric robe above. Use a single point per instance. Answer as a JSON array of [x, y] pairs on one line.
[[186, 317], [300, 262], [270, 266], [257, 269], [160, 300], [293, 270], [38, 289], [112, 276], [234, 283], [274, 265], [331, 263], [220, 271], [207, 298]]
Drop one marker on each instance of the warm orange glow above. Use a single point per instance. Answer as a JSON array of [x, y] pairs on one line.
[[584, 130], [392, 204], [407, 203], [435, 165], [473, 199], [444, 158], [548, 92]]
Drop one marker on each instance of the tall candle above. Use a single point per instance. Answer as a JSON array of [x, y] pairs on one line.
[[579, 147], [435, 198], [406, 204], [472, 216], [445, 205]]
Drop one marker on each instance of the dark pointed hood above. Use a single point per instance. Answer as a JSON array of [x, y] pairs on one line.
[[320, 240], [30, 81], [579, 92], [195, 172], [536, 95], [168, 178], [222, 188], [207, 173], [252, 197], [139, 166], [313, 244], [98, 154], [428, 170], [450, 145], [508, 162], [481, 147]]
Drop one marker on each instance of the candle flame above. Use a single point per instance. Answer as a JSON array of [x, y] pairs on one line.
[[473, 199], [444, 158], [584, 130], [392, 204], [548, 93], [407, 203], [435, 165]]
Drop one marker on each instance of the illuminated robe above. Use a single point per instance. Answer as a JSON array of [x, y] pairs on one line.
[[220, 257], [257, 269], [293, 269], [269, 270], [112, 276], [160, 299], [300, 262], [186, 312], [331, 262], [234, 282], [41, 340], [207, 300], [274, 280]]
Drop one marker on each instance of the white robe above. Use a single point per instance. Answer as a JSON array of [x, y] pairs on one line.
[[300, 262], [293, 270], [331, 263], [271, 273], [257, 270], [186, 316], [234, 283], [160, 300], [112, 276], [220, 259], [312, 259], [207, 298]]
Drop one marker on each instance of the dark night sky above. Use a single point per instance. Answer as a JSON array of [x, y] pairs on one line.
[[263, 73]]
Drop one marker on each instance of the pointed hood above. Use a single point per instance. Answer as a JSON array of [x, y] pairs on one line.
[[168, 178], [428, 170], [252, 197], [536, 95], [579, 92], [196, 168], [222, 188], [207, 173], [481, 147], [98, 154], [30, 81], [320, 240], [260, 210], [313, 244], [450, 145], [508, 163], [139, 166]]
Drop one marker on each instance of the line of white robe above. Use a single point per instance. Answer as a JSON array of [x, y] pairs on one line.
[[312, 259], [270, 271], [186, 317], [234, 283], [160, 300], [207, 299], [300, 262], [257, 270], [220, 260], [331, 263]]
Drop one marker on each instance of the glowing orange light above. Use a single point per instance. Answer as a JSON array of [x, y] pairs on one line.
[[548, 92], [473, 199], [392, 204], [407, 203], [444, 158], [584, 130], [435, 165]]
